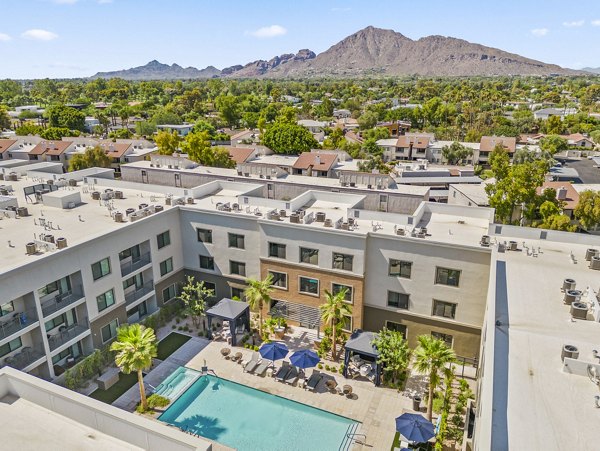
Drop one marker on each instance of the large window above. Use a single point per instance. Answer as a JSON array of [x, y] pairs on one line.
[[238, 293], [309, 286], [237, 268], [444, 309], [342, 261], [207, 262], [166, 266], [11, 346], [276, 250], [133, 252], [400, 268], [110, 330], [236, 240], [105, 300], [347, 323], [447, 276], [310, 256], [169, 293], [337, 287], [137, 280], [398, 300], [7, 308], [396, 327], [101, 268], [62, 286], [163, 239], [279, 279], [204, 235], [66, 319], [444, 337]]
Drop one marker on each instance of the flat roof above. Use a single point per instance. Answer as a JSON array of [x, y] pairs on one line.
[[475, 192]]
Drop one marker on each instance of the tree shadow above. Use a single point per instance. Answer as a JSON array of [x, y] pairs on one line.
[[207, 427]]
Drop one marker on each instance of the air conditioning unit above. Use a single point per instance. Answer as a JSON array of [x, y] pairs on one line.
[[589, 253], [579, 310], [595, 263], [569, 351], [572, 296], [485, 240], [568, 284]]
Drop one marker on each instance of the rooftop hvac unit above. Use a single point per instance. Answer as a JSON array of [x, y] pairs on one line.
[[118, 216], [589, 253], [295, 218], [320, 217], [400, 231], [328, 223], [568, 284], [512, 245], [569, 351], [579, 310], [31, 248], [61, 243], [595, 263], [158, 208], [485, 240], [572, 296]]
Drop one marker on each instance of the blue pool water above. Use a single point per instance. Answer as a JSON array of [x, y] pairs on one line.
[[248, 419], [178, 382]]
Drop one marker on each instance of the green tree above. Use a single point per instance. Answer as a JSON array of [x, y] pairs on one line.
[[431, 357], [258, 294], [553, 144], [456, 153], [4, 118], [145, 128], [394, 353], [197, 146], [93, 157], [229, 109], [333, 312], [554, 125], [558, 222], [194, 296], [67, 117], [28, 128], [57, 133], [167, 142], [135, 347], [288, 138], [368, 120], [587, 210]]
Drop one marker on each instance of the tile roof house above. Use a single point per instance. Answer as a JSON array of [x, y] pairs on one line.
[[51, 151], [241, 154], [5, 145], [315, 164], [579, 140], [566, 193], [489, 143]]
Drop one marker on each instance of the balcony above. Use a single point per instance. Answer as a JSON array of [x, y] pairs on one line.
[[60, 301], [133, 296], [17, 321], [24, 358], [133, 265], [67, 333]]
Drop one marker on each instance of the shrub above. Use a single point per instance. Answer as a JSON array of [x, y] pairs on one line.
[[156, 400], [173, 327], [320, 366], [326, 367]]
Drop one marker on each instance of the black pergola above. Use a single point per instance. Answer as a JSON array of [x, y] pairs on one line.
[[361, 343], [235, 312]]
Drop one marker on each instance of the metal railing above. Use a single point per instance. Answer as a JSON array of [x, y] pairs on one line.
[[14, 322], [24, 358], [133, 265], [67, 333], [140, 292], [61, 300]]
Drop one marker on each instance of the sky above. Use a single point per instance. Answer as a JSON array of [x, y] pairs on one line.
[[77, 38]]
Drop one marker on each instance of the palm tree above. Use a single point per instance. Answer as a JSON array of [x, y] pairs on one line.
[[431, 356], [135, 347], [258, 294], [333, 311]]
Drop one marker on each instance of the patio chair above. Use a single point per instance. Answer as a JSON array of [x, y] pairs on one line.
[[262, 367], [282, 372], [292, 376], [252, 363], [314, 380]]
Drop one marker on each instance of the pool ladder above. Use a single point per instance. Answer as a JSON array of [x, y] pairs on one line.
[[350, 438]]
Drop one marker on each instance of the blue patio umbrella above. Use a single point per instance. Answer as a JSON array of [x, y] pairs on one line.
[[273, 351], [304, 358], [415, 427]]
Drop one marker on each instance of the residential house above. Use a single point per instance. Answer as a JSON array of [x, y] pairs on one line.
[[54, 151], [241, 154], [182, 130], [489, 143], [546, 113], [245, 137], [396, 128], [406, 147], [565, 193], [313, 126], [342, 113], [5, 146], [315, 164], [580, 141]]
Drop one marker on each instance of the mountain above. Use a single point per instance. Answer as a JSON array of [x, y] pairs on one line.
[[158, 71], [262, 67], [593, 70]]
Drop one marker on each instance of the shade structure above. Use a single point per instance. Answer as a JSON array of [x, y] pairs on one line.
[[273, 351], [415, 427], [304, 358]]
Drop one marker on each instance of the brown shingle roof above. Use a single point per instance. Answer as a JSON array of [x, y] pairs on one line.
[[318, 161], [6, 144], [572, 198], [50, 147], [417, 142], [488, 143], [114, 150], [239, 154]]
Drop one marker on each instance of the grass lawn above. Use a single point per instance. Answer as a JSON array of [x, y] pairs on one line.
[[170, 344], [126, 381]]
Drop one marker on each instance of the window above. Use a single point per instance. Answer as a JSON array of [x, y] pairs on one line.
[[279, 279], [137, 280], [72, 351], [169, 293], [398, 300], [7, 308], [309, 286], [207, 262], [163, 239], [11, 346], [342, 261], [66, 319], [447, 276], [237, 268], [347, 323], [101, 268], [337, 287], [276, 250], [204, 235], [110, 330], [310, 256], [166, 266], [444, 309], [62, 286], [211, 286], [400, 268], [444, 337], [390, 325], [133, 252], [105, 300], [238, 293], [236, 241]]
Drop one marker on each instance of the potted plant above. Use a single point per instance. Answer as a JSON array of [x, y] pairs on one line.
[[280, 327]]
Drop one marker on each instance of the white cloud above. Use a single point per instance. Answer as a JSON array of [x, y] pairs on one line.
[[268, 32], [37, 34], [539, 32], [596, 23], [4, 37], [574, 24]]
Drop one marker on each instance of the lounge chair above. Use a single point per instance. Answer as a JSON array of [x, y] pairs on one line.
[[292, 376], [282, 372], [262, 367], [313, 380], [252, 363]]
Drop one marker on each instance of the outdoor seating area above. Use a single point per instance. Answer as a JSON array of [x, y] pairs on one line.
[[237, 316], [360, 359]]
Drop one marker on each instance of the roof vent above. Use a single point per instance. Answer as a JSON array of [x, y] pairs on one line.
[[561, 193]]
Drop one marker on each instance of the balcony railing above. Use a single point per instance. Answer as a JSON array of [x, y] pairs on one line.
[[60, 301], [14, 322], [133, 265], [67, 333], [24, 358], [133, 296]]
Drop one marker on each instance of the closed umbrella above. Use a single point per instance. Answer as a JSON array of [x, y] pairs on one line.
[[304, 358], [273, 351], [415, 427]]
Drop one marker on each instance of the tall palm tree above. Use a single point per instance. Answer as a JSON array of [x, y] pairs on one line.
[[333, 311], [431, 357], [135, 346], [257, 295]]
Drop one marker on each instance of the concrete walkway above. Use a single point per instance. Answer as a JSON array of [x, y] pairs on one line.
[[129, 399]]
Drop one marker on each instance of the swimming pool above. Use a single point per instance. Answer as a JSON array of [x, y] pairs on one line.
[[178, 382], [248, 419]]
